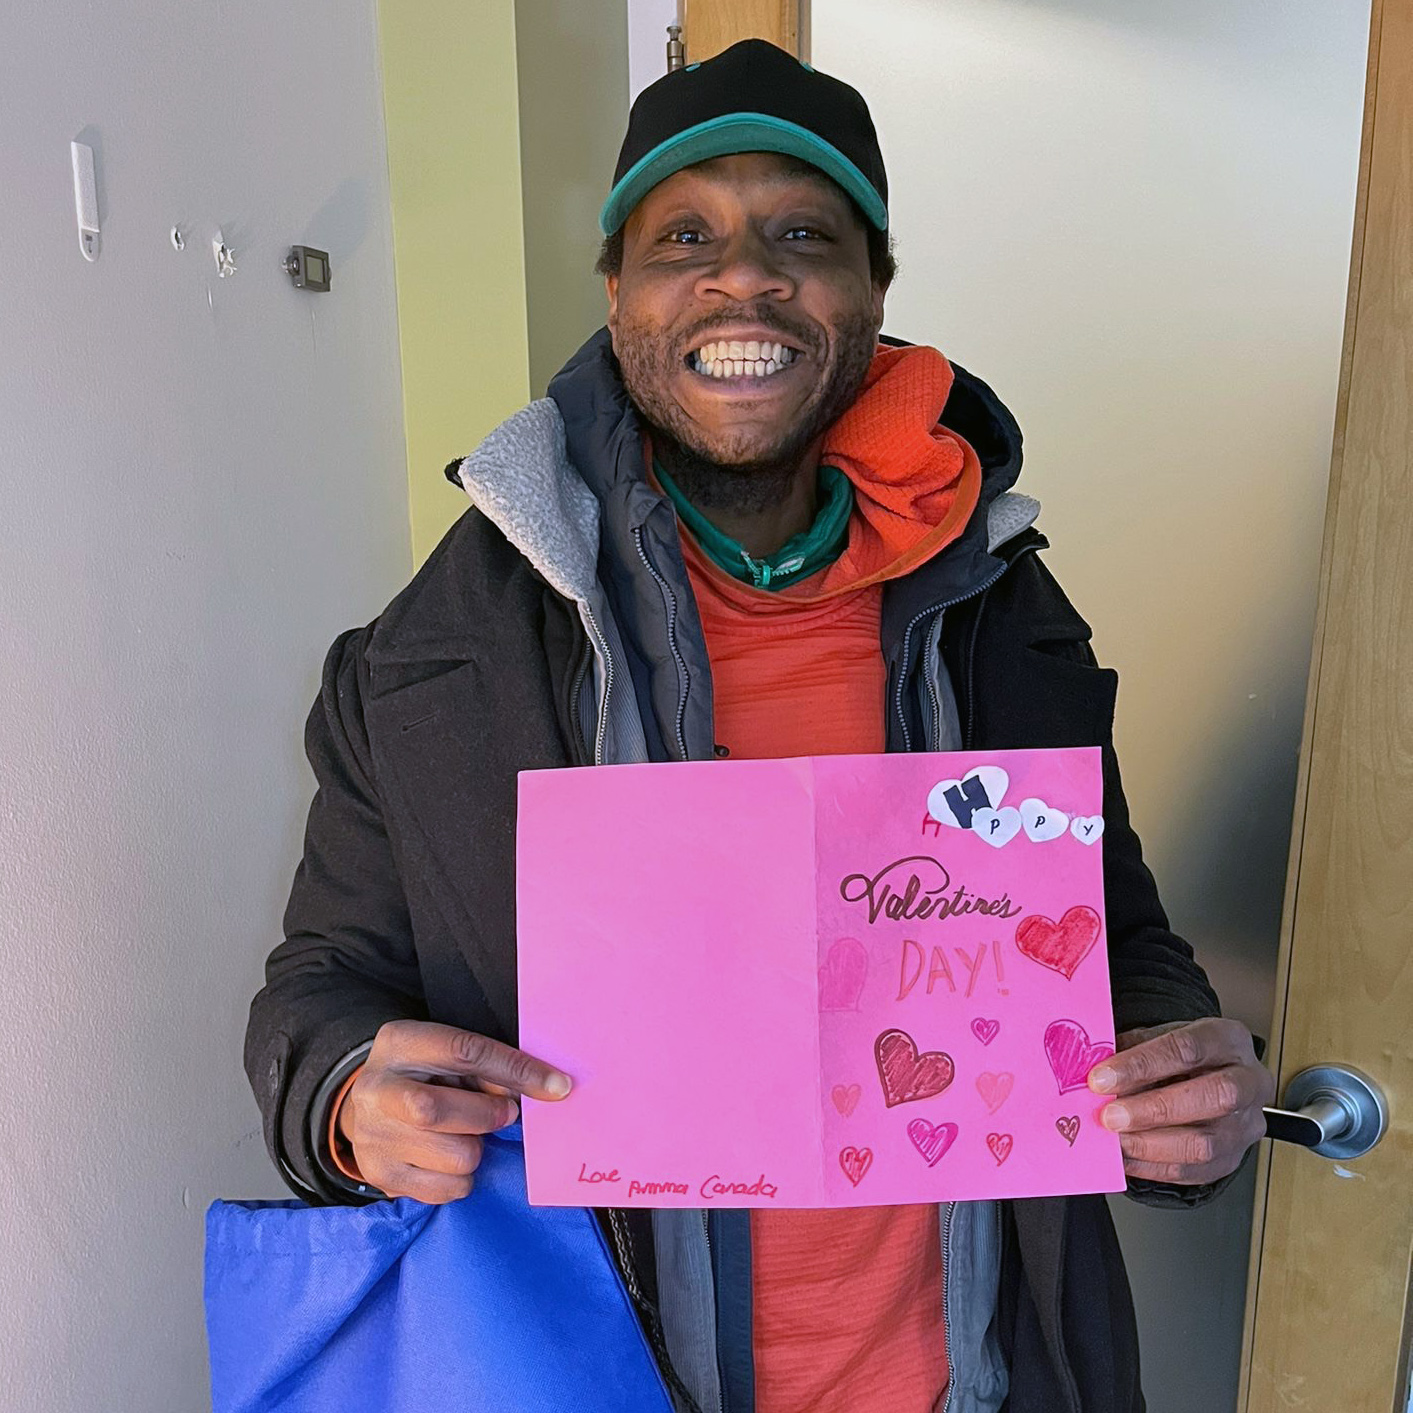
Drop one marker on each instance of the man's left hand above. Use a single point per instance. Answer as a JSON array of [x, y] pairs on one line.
[[1187, 1099]]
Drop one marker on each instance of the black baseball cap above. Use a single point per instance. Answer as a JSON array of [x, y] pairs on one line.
[[753, 97]]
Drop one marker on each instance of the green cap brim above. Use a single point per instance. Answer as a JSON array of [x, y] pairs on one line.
[[731, 133]]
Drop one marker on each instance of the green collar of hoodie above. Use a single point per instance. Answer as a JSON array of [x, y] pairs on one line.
[[799, 557]]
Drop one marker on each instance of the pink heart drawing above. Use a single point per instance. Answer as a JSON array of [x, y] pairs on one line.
[[1071, 1055], [1068, 1127], [846, 1098], [842, 976], [1062, 945], [994, 1089], [904, 1073], [855, 1163], [985, 1030], [1000, 1145], [931, 1140]]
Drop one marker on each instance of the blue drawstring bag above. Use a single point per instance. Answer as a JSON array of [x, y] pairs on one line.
[[479, 1305]]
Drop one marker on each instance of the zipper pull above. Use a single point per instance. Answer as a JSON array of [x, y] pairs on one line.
[[759, 570]]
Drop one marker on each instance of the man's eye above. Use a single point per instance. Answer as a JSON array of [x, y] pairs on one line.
[[688, 235], [808, 232]]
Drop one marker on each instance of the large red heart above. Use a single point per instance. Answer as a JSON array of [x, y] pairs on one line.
[[1062, 945], [905, 1074]]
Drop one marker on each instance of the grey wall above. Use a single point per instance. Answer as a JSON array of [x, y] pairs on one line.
[[1134, 220], [572, 58], [201, 482]]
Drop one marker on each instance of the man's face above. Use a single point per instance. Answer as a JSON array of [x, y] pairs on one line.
[[748, 249]]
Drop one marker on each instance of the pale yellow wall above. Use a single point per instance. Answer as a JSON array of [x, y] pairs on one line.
[[451, 102], [577, 51]]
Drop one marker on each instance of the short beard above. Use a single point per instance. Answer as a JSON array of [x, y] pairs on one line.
[[761, 482]]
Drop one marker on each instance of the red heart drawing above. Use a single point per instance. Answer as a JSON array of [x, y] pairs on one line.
[[994, 1089], [905, 1074], [931, 1140], [1071, 1055], [1068, 1128], [842, 975], [846, 1099], [1062, 945], [855, 1162], [1000, 1145], [985, 1030]]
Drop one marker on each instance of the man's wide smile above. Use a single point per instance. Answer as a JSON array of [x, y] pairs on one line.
[[744, 364]]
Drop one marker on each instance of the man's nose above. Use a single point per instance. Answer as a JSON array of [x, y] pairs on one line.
[[746, 269]]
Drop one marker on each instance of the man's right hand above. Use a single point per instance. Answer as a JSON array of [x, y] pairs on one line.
[[416, 1112]]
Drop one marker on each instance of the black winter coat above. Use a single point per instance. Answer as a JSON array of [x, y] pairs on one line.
[[403, 903]]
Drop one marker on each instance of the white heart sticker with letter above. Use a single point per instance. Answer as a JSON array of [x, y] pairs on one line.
[[982, 788], [1088, 829], [1041, 822], [997, 827]]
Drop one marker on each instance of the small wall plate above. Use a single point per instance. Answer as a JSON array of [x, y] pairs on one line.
[[308, 268]]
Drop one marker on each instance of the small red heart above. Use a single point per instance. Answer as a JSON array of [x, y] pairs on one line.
[[985, 1030], [1071, 1053], [904, 1073], [931, 1140], [855, 1163], [1062, 945], [994, 1089], [1068, 1128], [1000, 1145], [846, 1098]]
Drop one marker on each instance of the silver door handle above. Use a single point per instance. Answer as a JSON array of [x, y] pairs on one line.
[[1332, 1109]]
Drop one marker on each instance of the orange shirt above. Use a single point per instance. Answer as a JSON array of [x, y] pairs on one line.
[[847, 1305]]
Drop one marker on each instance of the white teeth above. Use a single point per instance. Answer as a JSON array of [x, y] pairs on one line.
[[714, 360], [751, 351], [735, 350]]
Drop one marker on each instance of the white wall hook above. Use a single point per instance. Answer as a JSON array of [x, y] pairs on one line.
[[225, 257], [85, 200]]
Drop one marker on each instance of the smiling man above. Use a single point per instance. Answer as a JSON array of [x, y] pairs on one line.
[[738, 526]]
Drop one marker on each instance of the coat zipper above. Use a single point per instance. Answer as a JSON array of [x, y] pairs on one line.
[[601, 642], [907, 645], [947, 1306], [720, 1384], [670, 601]]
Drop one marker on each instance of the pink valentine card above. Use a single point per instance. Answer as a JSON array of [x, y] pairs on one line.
[[834, 981]]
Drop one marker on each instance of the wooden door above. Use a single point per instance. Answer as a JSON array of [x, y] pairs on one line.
[[1328, 1300], [709, 26]]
